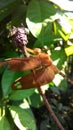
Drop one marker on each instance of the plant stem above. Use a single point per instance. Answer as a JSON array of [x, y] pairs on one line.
[[50, 109]]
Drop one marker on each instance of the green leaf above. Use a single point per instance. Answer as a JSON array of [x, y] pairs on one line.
[[59, 57], [47, 40], [60, 82], [7, 7], [55, 90], [35, 100], [7, 80], [4, 124], [23, 118], [69, 50], [19, 16], [3, 67], [65, 37], [10, 54], [21, 94], [63, 85], [38, 17]]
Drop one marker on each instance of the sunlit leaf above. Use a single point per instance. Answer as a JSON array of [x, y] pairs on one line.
[[38, 17], [4, 124], [65, 37], [66, 4], [23, 118], [69, 50], [64, 23], [60, 82]]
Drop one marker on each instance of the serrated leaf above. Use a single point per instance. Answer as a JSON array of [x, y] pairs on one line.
[[23, 118], [4, 124], [21, 94]]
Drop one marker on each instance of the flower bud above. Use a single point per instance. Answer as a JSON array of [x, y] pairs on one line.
[[19, 36]]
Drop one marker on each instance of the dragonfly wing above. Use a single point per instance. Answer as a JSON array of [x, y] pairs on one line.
[[22, 64], [24, 82], [43, 76], [30, 63]]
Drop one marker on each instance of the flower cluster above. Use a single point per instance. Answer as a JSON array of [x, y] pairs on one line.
[[19, 36]]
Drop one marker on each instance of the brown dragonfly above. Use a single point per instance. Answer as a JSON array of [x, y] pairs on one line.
[[42, 65]]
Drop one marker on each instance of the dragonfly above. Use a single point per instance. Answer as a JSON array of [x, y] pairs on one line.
[[42, 65]]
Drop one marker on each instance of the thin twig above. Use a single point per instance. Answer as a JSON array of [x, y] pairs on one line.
[[50, 109]]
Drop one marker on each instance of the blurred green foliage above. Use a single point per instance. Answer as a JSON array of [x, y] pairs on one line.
[[50, 23]]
